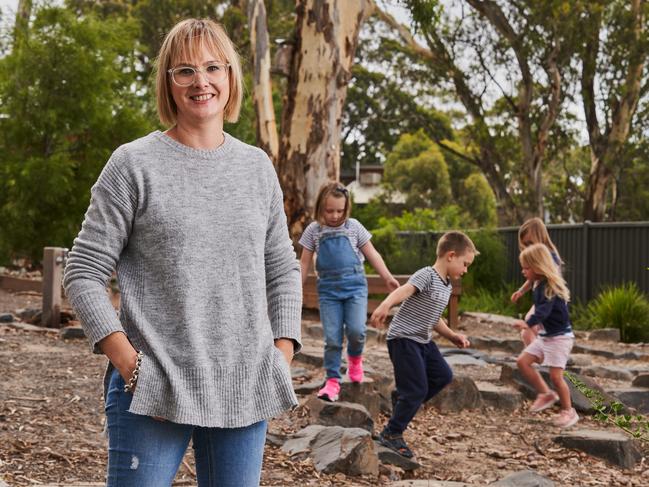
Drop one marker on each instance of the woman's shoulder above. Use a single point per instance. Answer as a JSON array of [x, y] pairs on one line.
[[251, 152]]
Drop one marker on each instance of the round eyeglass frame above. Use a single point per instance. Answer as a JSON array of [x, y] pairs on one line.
[[202, 70]]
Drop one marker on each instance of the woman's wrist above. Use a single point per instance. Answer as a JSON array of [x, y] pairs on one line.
[[129, 386]]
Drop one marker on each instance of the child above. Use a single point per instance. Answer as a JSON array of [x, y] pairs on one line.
[[341, 243], [552, 346], [531, 232], [420, 371]]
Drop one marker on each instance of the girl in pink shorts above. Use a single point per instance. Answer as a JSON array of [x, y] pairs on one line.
[[552, 346]]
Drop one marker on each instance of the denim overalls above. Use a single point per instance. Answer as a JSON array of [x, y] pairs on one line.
[[342, 291]]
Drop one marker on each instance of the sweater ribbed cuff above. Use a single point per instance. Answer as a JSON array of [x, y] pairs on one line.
[[285, 313], [97, 315]]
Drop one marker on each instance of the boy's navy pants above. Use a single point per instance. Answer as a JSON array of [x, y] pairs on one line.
[[420, 372]]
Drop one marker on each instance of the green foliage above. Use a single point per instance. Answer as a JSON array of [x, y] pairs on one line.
[[624, 307], [479, 200], [488, 268], [68, 100], [494, 300]]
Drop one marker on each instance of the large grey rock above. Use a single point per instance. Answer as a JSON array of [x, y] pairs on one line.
[[607, 372], [641, 380], [465, 360], [386, 455], [429, 483], [6, 317], [335, 449], [511, 345], [308, 387], [345, 414], [460, 394], [633, 397], [525, 478], [616, 448], [511, 375], [374, 335], [580, 348], [499, 397], [310, 355], [315, 330], [632, 355], [606, 334], [72, 332], [580, 359], [373, 393], [297, 372]]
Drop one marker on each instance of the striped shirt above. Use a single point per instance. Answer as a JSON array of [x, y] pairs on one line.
[[421, 311], [355, 231]]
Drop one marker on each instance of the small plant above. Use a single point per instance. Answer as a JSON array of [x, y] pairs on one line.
[[636, 426], [495, 301], [624, 307]]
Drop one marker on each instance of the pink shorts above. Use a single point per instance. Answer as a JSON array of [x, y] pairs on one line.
[[552, 351]]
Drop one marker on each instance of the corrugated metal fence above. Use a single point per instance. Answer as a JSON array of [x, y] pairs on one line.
[[595, 255]]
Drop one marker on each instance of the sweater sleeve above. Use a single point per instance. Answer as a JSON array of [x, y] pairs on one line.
[[283, 281], [96, 250], [542, 306]]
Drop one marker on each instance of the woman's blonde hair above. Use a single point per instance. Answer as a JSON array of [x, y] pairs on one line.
[[538, 258], [534, 231], [336, 190], [184, 42]]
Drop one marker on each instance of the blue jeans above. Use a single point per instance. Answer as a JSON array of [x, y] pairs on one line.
[[145, 452]]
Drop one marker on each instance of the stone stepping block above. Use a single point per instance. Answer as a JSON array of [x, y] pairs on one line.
[[373, 393], [315, 330], [511, 345], [72, 332], [428, 483], [297, 372], [340, 413], [607, 372], [499, 397], [462, 393], [511, 375], [641, 380], [580, 348], [448, 351], [605, 334], [391, 457], [614, 447], [310, 355], [525, 478], [633, 397], [465, 360], [335, 449], [6, 318]]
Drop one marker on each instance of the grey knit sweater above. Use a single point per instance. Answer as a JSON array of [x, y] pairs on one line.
[[207, 274]]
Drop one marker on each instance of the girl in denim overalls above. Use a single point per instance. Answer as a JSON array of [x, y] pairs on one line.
[[341, 244]]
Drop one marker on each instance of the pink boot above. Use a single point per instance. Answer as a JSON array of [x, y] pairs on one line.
[[355, 368], [330, 390]]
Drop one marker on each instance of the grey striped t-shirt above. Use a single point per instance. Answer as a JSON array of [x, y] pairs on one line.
[[421, 311]]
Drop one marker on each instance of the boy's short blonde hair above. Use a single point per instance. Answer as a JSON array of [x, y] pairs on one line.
[[184, 42], [457, 242]]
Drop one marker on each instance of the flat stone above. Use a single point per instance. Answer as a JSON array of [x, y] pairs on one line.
[[297, 372], [580, 348], [616, 448], [428, 483], [525, 478], [499, 397], [465, 360], [6, 318], [315, 330], [308, 387], [72, 332], [490, 318], [459, 395], [510, 345], [391, 457], [641, 380], [374, 335], [607, 372], [340, 413], [310, 355], [632, 355], [607, 334], [633, 397], [580, 359], [371, 393]]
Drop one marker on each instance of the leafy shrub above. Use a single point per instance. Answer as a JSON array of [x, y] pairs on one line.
[[495, 301], [624, 307]]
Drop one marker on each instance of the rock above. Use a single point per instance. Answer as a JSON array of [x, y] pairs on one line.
[[525, 478], [607, 372], [606, 334], [386, 455], [6, 318], [341, 413], [499, 397], [490, 318], [632, 355], [374, 335], [310, 355], [465, 360], [71, 332], [315, 330], [616, 448], [428, 483], [334, 449], [275, 439], [447, 352], [633, 397], [641, 380], [460, 394], [371, 393], [309, 387], [297, 372], [578, 348], [580, 359], [29, 314], [510, 345], [511, 375]]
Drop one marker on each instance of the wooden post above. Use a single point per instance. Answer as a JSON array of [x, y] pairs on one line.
[[453, 305], [53, 260]]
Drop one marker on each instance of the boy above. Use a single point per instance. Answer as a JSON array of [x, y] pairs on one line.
[[420, 371]]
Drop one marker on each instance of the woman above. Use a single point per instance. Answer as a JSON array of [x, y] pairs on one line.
[[192, 220]]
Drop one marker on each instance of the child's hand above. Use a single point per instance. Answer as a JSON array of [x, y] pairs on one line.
[[520, 325], [392, 283], [516, 296], [378, 317], [460, 341]]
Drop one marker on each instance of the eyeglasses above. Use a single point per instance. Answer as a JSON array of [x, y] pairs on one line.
[[186, 75]]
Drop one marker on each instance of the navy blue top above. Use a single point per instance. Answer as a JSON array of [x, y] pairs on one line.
[[551, 313]]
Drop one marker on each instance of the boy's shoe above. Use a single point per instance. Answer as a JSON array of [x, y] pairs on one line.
[[355, 369], [395, 442], [544, 401], [330, 390], [566, 418]]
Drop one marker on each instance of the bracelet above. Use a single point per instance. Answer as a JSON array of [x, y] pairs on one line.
[[133, 380]]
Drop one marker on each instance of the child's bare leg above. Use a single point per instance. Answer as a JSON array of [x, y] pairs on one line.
[[528, 335], [524, 362], [556, 376]]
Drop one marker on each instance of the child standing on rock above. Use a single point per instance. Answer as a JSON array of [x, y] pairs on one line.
[[420, 371], [552, 346], [341, 244], [533, 231]]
